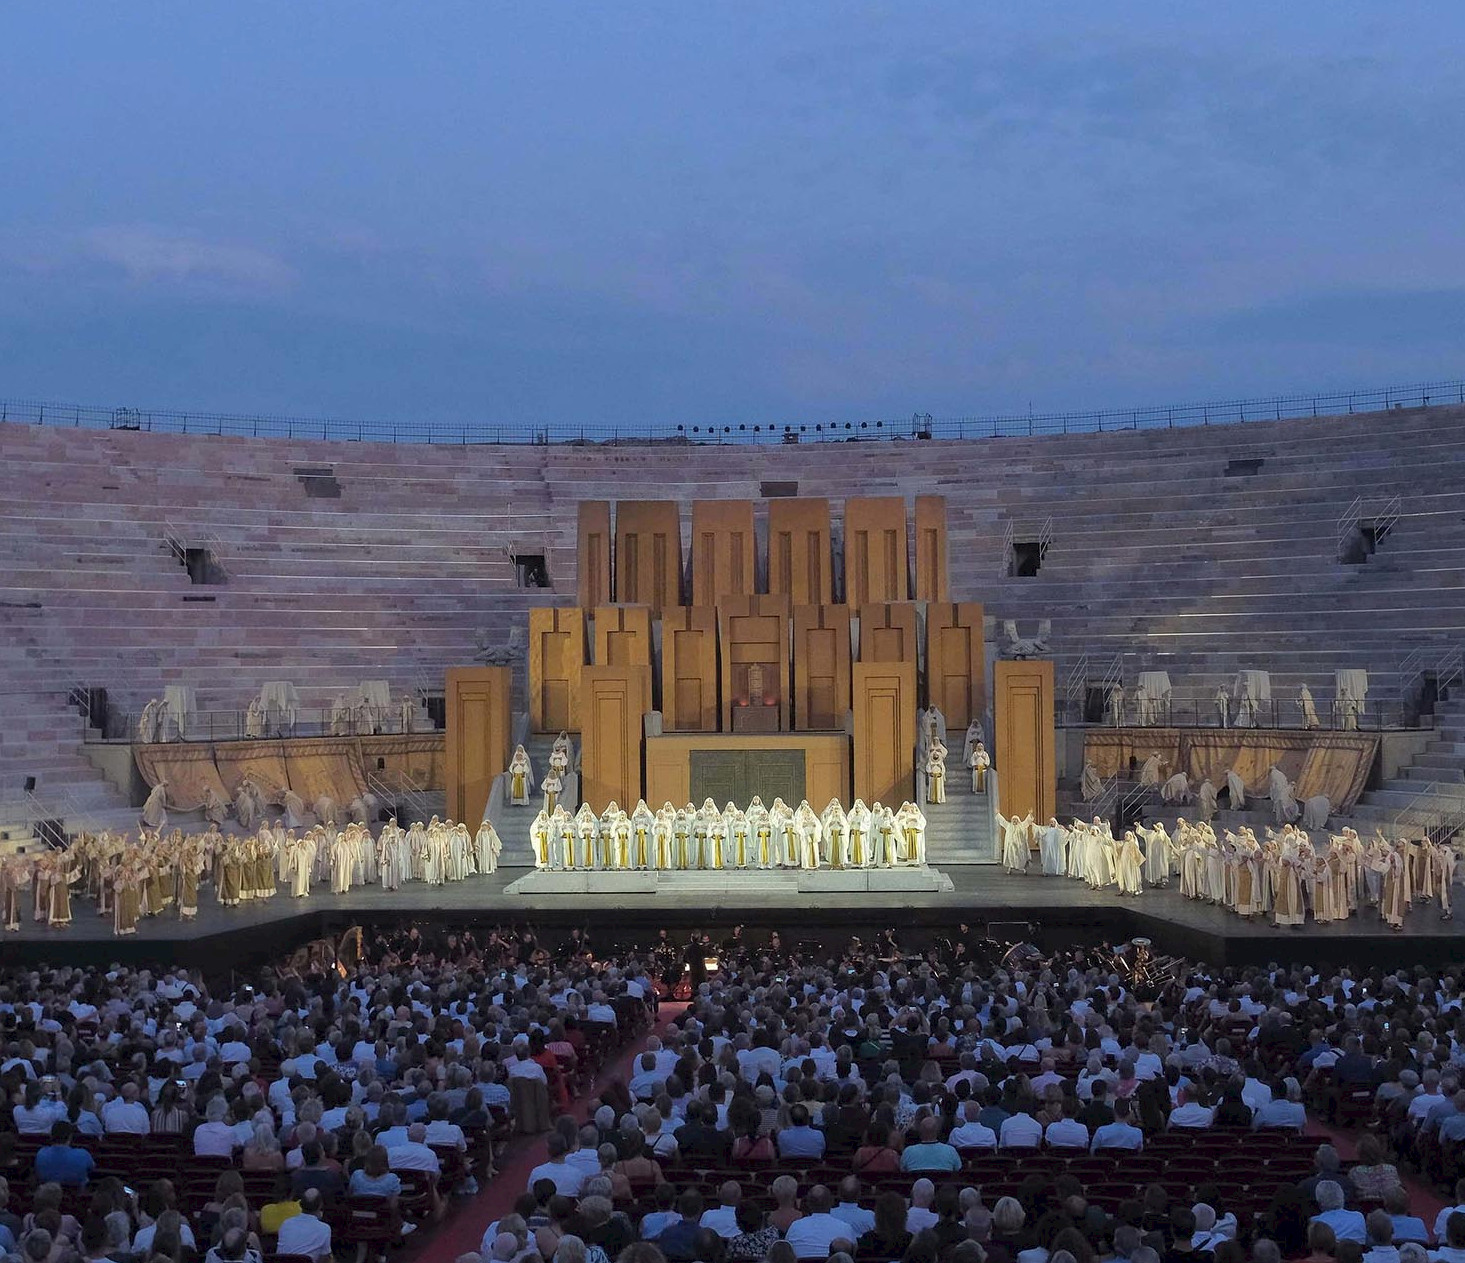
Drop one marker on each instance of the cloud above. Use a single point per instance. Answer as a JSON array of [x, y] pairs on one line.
[[150, 256]]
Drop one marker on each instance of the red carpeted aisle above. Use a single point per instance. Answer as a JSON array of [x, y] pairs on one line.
[[467, 1217]]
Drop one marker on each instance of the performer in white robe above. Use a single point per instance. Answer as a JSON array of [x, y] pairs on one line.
[[811, 836], [1284, 804], [1306, 706], [1444, 862], [165, 722], [664, 839], [787, 844], [487, 847], [1078, 845], [1090, 786], [1315, 812], [1235, 790], [861, 844], [155, 809], [1015, 853], [147, 723], [1176, 789], [1098, 865], [936, 723], [707, 830], [1129, 865], [1206, 800], [215, 806], [587, 836], [324, 809], [684, 820], [343, 861], [1149, 772], [912, 822], [605, 856], [521, 778], [1053, 848], [717, 839], [254, 719], [1116, 705], [979, 761], [885, 843], [836, 835], [551, 787], [972, 739], [762, 852], [936, 774], [1223, 708], [643, 837], [739, 852], [1157, 855], [565, 838], [621, 837]]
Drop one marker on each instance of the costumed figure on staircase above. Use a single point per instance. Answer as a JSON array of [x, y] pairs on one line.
[[521, 777]]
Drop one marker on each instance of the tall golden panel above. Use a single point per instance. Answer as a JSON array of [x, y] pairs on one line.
[[724, 550], [480, 708], [592, 554], [931, 572], [610, 745], [799, 553], [753, 640], [689, 669], [888, 633], [956, 672], [623, 639], [875, 565], [648, 557], [556, 659], [1027, 769], [821, 667], [885, 731]]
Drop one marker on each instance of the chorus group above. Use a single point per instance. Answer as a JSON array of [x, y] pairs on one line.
[[155, 872]]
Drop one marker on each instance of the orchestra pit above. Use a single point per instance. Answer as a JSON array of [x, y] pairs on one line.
[[899, 845]]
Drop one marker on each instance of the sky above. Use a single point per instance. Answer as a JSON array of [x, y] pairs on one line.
[[649, 214]]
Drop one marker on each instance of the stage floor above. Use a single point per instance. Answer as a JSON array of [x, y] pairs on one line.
[[1063, 910]]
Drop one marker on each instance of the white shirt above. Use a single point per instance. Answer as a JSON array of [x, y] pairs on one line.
[[1443, 1218], [1423, 1103], [1067, 1133], [1117, 1135], [411, 1157], [723, 1220], [972, 1136], [812, 1235], [918, 1218], [302, 1234], [132, 1120], [142, 1242], [214, 1140], [567, 1179], [1021, 1131], [859, 1219], [524, 1068], [1191, 1115]]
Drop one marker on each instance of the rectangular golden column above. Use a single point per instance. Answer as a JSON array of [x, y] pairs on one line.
[[592, 554], [885, 731], [648, 557], [689, 669], [888, 633], [610, 743], [623, 639], [480, 718], [752, 636], [956, 671], [556, 659], [931, 570], [1027, 770], [821, 666], [875, 564], [724, 550], [800, 556]]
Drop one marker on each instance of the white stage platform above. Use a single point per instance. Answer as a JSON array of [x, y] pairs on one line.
[[734, 884]]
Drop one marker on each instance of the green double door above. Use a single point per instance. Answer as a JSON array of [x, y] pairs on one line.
[[734, 776]]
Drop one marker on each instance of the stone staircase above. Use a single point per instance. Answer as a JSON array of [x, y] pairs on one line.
[[512, 823], [959, 831], [1431, 788]]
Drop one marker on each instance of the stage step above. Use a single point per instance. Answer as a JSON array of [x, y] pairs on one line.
[[959, 831], [731, 885]]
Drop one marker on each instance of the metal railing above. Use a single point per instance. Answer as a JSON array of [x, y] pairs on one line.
[[1439, 815], [919, 426], [1444, 663], [1200, 712], [398, 792], [1382, 517], [231, 725], [180, 539]]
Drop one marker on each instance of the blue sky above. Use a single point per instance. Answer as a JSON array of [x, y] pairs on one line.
[[754, 211]]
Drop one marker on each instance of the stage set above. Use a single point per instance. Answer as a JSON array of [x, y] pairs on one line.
[[757, 664]]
